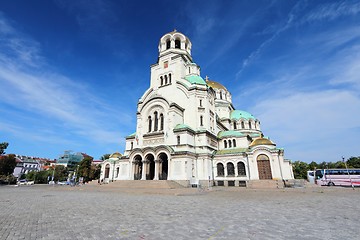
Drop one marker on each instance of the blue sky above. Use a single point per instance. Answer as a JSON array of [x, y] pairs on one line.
[[71, 71]]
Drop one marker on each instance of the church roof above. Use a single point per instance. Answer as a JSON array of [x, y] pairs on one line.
[[115, 155], [230, 133], [231, 151], [261, 141], [194, 79], [182, 127], [214, 84], [238, 114]]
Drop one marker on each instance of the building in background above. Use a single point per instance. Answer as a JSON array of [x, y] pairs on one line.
[[70, 159]]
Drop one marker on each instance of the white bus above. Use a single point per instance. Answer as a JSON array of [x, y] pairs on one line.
[[337, 177]]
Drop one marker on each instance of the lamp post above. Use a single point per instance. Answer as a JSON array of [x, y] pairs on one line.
[[352, 185]]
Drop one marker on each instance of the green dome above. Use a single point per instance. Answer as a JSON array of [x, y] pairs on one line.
[[238, 114], [230, 133], [194, 79]]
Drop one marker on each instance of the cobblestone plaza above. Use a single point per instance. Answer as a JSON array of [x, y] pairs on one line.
[[98, 212]]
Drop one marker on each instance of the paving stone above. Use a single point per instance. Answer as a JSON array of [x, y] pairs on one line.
[[94, 212]]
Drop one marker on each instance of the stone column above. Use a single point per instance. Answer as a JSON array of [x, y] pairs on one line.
[[133, 171], [156, 177], [144, 168]]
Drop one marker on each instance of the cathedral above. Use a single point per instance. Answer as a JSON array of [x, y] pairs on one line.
[[188, 130]]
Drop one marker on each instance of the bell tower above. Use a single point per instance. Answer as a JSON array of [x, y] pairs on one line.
[[175, 42], [174, 61]]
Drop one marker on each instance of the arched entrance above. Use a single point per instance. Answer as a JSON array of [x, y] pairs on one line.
[[263, 163], [150, 173], [163, 166], [137, 166], [107, 170]]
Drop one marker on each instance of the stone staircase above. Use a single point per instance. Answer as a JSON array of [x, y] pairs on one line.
[[142, 184], [265, 184]]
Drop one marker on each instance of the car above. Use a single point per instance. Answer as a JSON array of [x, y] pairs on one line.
[[25, 182], [22, 182], [51, 182], [30, 183]]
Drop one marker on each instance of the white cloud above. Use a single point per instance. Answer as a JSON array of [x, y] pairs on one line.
[[305, 121], [331, 11], [48, 95]]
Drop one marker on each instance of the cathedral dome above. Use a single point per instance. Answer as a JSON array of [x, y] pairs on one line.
[[115, 155], [238, 114], [215, 85], [261, 141]]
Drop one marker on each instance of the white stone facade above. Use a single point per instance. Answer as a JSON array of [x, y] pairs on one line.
[[188, 130]]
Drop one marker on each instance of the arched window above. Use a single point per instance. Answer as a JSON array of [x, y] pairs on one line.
[[132, 145], [169, 78], [177, 43], [107, 170], [161, 81], [178, 140], [225, 144], [165, 79], [200, 103], [117, 171], [150, 123], [230, 169], [161, 122], [249, 125], [220, 95], [220, 169], [241, 169], [201, 121], [229, 143], [156, 121], [242, 125], [189, 70], [262, 157], [168, 44], [234, 125], [234, 143]]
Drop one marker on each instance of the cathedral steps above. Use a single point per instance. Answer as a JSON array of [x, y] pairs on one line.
[[142, 184], [265, 184]]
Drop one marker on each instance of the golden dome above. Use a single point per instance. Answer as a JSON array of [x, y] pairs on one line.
[[215, 85], [261, 141], [115, 155]]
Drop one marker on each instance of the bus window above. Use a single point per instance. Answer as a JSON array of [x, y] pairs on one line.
[[319, 174]]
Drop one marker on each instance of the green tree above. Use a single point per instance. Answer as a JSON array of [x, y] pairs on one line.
[[3, 146], [313, 165], [105, 156], [300, 169], [353, 162], [39, 177], [61, 173], [85, 168], [7, 164], [96, 169]]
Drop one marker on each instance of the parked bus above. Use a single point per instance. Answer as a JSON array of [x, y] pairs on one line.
[[338, 177]]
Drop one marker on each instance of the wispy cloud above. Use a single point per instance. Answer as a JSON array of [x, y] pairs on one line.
[[323, 120], [49, 95], [331, 11], [328, 11], [280, 28]]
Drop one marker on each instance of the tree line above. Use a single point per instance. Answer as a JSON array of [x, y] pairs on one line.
[[300, 168], [84, 169]]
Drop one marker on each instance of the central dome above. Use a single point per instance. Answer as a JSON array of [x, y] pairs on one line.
[[215, 85]]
